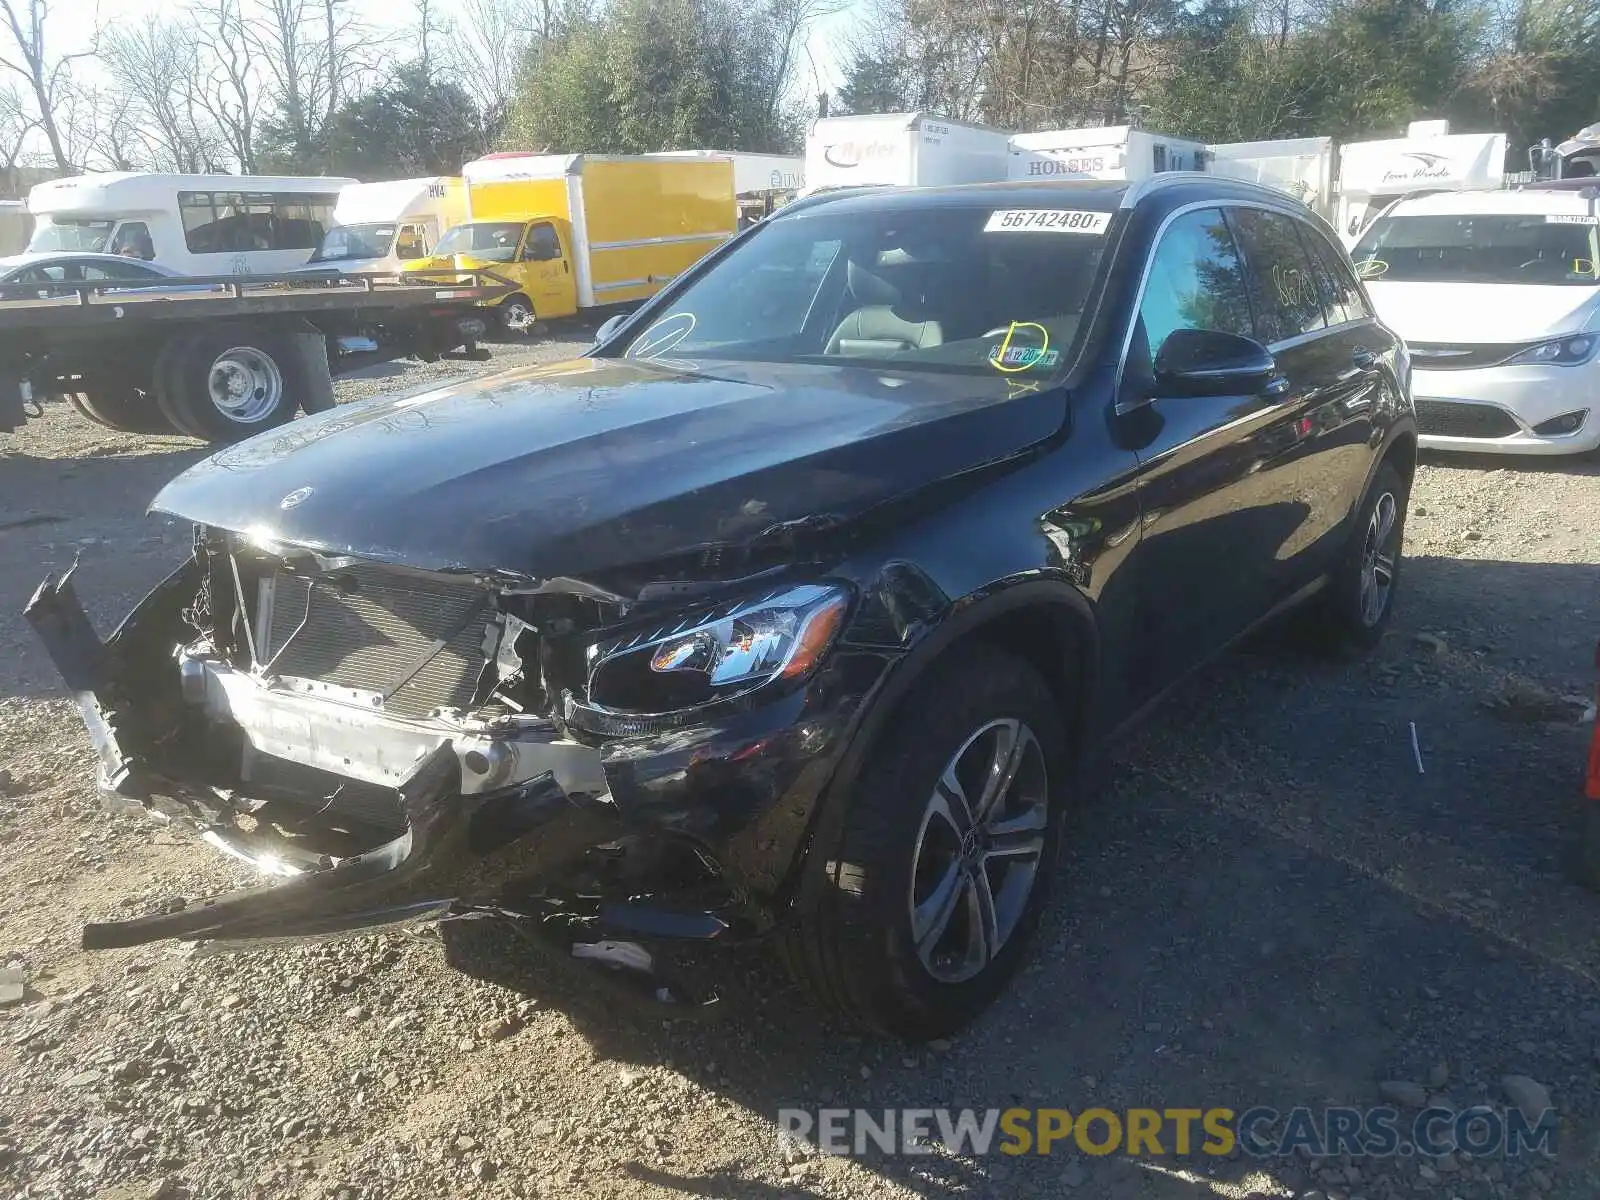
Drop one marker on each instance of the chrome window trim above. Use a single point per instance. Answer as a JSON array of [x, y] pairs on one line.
[[1222, 205]]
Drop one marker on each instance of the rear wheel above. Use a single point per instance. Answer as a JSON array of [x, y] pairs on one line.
[[1358, 606], [224, 385], [125, 409], [945, 858]]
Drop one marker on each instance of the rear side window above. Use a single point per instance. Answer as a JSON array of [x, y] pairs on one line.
[[1283, 281], [1196, 281], [1341, 295]]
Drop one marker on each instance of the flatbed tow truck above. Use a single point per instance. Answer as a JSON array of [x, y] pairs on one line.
[[222, 358]]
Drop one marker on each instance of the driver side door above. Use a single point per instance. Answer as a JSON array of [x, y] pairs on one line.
[[546, 269], [1208, 530]]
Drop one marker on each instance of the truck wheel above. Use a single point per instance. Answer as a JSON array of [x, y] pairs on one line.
[[944, 862], [228, 384], [125, 409], [516, 315]]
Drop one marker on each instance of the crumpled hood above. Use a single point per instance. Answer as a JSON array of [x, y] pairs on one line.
[[1482, 313], [596, 463]]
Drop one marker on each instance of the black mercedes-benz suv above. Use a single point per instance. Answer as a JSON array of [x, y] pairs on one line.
[[790, 612]]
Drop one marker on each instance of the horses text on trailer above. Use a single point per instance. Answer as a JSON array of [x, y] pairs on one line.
[[197, 224], [901, 149], [1373, 175], [574, 231], [1108, 152], [1302, 167], [378, 227]]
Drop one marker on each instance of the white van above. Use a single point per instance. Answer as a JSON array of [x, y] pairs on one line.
[[1373, 175], [1114, 152], [1301, 167], [901, 149], [379, 226], [1497, 295], [196, 224]]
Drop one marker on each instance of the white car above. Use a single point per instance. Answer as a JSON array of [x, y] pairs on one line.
[[1497, 295]]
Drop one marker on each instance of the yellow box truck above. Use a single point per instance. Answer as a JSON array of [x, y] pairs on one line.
[[575, 231]]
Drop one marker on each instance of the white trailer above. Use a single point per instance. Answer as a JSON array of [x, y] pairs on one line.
[[901, 149], [1302, 167], [1372, 175], [1108, 152], [377, 227]]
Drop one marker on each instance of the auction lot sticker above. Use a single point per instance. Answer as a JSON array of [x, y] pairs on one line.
[[1046, 220]]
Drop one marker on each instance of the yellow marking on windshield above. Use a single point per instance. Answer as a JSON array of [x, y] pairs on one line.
[[997, 361]]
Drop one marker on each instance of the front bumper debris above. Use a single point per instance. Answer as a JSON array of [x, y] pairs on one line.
[[618, 856], [455, 850]]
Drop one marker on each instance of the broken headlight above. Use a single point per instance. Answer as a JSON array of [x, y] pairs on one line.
[[717, 655]]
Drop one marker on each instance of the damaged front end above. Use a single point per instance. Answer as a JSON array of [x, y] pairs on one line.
[[394, 744]]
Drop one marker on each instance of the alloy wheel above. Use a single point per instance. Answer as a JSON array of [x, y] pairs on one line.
[[978, 850], [1380, 550]]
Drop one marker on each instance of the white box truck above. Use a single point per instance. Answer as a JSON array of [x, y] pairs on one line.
[[1430, 158], [1107, 152], [901, 149], [1302, 167], [378, 227]]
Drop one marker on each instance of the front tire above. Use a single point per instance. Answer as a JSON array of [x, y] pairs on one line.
[[944, 861], [517, 316], [1357, 608]]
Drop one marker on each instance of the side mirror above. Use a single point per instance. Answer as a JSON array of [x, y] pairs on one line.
[[604, 333], [1208, 362]]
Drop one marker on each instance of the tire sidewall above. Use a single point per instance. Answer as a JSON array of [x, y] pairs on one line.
[[192, 377], [896, 786], [1357, 635]]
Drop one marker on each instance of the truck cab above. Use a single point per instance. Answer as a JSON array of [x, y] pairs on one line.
[[533, 254]]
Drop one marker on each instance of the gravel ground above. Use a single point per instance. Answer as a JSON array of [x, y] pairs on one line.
[[1266, 904]]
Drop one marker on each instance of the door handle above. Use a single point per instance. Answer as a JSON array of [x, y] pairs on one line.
[[1365, 359], [1277, 386], [566, 267]]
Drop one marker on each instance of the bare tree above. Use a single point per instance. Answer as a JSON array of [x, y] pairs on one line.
[[488, 43], [15, 125], [228, 86], [47, 75], [315, 54], [156, 67]]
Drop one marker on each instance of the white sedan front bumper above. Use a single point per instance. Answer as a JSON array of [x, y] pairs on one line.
[[1495, 410]]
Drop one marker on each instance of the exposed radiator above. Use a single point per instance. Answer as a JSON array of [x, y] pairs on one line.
[[368, 628]]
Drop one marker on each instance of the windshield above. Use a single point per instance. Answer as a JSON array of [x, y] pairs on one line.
[[972, 290], [65, 233], [495, 241], [355, 241], [1482, 248]]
